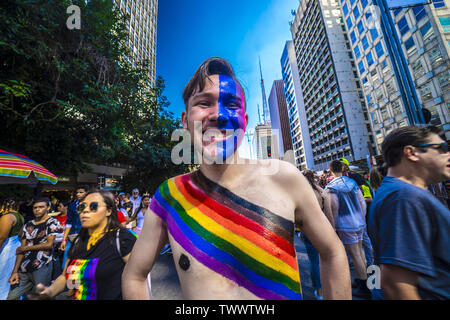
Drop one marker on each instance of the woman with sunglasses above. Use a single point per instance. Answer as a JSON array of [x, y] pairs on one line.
[[99, 253]]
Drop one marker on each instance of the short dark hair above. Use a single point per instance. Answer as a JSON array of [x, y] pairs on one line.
[[65, 203], [394, 143], [42, 199], [336, 166], [209, 67], [84, 187]]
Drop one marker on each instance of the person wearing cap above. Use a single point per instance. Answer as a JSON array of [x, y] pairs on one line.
[[366, 244]]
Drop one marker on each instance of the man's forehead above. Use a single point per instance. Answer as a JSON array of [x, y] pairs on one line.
[[218, 82]]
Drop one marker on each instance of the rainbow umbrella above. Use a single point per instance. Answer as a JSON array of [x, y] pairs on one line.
[[16, 168]]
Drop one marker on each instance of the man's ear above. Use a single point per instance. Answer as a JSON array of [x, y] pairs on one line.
[[184, 119], [246, 121], [410, 153]]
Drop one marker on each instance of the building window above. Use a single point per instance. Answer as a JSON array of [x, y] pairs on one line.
[[439, 3], [353, 37], [427, 32], [435, 57], [425, 92], [356, 13], [418, 69], [410, 46], [369, 59], [396, 107], [360, 27], [403, 26], [364, 3], [419, 12], [379, 94], [390, 87], [379, 49], [444, 79], [364, 43], [397, 11], [349, 23], [361, 67], [374, 34], [445, 23], [357, 52], [345, 10]]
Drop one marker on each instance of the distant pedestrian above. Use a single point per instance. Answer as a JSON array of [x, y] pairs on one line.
[[140, 212], [349, 208], [410, 228], [135, 200]]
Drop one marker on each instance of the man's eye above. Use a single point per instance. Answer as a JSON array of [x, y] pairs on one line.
[[203, 103]]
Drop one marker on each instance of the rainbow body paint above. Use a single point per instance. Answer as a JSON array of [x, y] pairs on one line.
[[241, 241]]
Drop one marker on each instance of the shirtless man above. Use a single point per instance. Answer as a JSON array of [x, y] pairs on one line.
[[231, 226]]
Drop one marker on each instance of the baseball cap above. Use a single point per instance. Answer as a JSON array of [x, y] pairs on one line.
[[121, 193], [344, 161]]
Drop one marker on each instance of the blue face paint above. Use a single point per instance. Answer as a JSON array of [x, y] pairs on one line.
[[231, 114]]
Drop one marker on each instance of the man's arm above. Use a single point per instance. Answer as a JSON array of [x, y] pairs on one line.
[[40, 247], [334, 270], [399, 283], [144, 254], [334, 206], [14, 278]]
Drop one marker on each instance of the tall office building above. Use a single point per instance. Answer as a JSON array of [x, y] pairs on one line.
[[298, 124], [279, 117], [335, 109], [142, 30], [424, 33]]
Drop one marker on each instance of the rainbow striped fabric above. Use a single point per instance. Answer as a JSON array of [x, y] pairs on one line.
[[80, 275], [19, 166], [239, 240]]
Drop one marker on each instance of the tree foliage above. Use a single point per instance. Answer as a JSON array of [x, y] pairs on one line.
[[68, 97]]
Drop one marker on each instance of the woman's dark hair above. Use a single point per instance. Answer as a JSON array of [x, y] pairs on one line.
[[209, 67], [84, 187], [65, 203], [112, 224], [8, 205], [375, 178], [141, 206], [309, 175], [394, 143]]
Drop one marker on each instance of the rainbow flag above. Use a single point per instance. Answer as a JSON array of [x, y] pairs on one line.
[[80, 275], [19, 166], [239, 240]]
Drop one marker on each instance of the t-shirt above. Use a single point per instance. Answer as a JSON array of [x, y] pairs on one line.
[[140, 219], [410, 228], [120, 216], [36, 234], [73, 218], [95, 274], [351, 216]]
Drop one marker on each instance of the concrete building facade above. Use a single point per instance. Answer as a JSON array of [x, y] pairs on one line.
[[424, 33], [142, 30], [279, 117], [336, 113]]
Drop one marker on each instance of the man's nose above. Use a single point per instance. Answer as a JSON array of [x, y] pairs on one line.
[[218, 114]]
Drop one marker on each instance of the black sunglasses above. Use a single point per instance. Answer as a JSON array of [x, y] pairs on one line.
[[93, 206], [442, 147]]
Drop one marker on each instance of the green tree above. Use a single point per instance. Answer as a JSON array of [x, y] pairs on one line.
[[72, 96]]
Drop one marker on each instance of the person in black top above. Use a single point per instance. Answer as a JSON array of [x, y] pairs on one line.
[[99, 253]]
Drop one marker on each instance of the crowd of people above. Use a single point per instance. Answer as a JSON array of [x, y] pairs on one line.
[[230, 225], [37, 236]]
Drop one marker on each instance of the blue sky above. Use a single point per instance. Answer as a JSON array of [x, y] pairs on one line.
[[191, 31]]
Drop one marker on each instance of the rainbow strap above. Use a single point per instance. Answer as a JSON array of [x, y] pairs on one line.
[[239, 240]]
